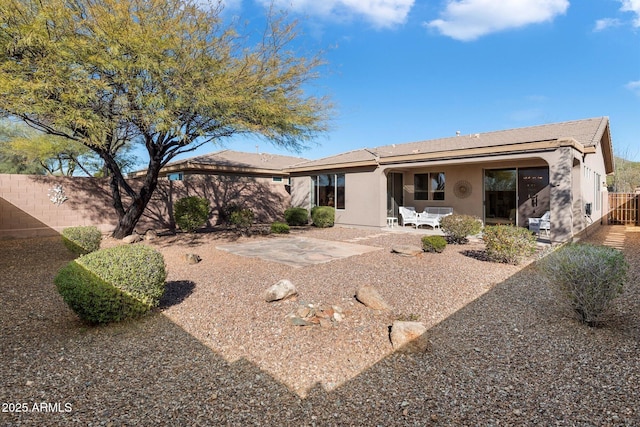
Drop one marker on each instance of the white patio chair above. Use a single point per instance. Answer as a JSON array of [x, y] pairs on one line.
[[543, 223], [409, 215]]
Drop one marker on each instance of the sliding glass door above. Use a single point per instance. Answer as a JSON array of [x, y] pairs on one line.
[[500, 196]]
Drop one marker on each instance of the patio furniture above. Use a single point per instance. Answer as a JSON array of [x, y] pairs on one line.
[[409, 215], [432, 215], [391, 220], [542, 223]]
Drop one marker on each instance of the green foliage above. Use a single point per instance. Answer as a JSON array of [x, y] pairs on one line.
[[588, 276], [191, 213], [171, 74], [296, 216], [508, 244], [82, 240], [113, 284], [280, 228], [242, 218], [626, 177], [458, 227], [434, 243], [323, 216]]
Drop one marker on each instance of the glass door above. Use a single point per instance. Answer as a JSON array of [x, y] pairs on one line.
[[395, 196], [500, 196]]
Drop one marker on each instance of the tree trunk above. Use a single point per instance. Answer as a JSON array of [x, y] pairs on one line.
[[128, 217]]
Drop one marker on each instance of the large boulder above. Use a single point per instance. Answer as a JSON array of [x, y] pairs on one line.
[[370, 297], [409, 337], [281, 290], [407, 250]]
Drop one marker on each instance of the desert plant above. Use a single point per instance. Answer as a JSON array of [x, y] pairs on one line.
[[588, 276], [279, 228], [242, 218], [434, 243], [191, 213], [458, 227], [296, 216], [113, 284], [508, 244], [323, 216], [82, 240]]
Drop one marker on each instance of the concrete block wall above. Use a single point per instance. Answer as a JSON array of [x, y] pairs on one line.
[[26, 209]]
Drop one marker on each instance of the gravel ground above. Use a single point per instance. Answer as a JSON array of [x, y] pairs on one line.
[[503, 350]]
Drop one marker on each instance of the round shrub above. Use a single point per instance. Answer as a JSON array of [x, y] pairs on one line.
[[588, 276], [434, 243], [82, 240], [296, 216], [191, 213], [280, 228], [242, 218], [113, 284], [508, 244], [323, 216], [458, 227]]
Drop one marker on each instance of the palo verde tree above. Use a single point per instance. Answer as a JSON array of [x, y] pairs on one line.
[[167, 74]]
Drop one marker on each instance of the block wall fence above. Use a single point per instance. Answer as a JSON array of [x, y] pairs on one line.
[[27, 209]]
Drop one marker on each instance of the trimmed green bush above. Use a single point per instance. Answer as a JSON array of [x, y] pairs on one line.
[[588, 276], [191, 213], [458, 227], [323, 216], [434, 243], [82, 240], [296, 216], [242, 218], [508, 244], [279, 228], [113, 284]]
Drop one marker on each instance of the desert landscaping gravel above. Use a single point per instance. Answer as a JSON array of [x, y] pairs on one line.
[[503, 350]]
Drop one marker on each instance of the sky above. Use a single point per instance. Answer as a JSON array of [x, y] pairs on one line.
[[408, 70]]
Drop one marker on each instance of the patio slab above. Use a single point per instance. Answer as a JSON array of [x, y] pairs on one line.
[[297, 251]]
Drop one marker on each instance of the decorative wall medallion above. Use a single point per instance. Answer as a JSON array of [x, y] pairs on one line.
[[56, 195], [462, 189]]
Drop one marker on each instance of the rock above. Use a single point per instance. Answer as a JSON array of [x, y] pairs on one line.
[[407, 250], [370, 297], [132, 238], [192, 258], [409, 337], [150, 235], [281, 290]]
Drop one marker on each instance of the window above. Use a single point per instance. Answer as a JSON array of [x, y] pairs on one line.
[[276, 179], [428, 183], [175, 176], [328, 190], [437, 185], [421, 186]]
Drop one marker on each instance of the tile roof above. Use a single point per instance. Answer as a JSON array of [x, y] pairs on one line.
[[587, 132], [238, 159]]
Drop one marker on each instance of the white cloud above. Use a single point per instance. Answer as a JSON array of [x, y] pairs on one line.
[[381, 13], [603, 24], [634, 7], [634, 87], [470, 19]]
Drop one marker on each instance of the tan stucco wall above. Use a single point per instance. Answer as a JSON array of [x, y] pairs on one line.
[[27, 211]]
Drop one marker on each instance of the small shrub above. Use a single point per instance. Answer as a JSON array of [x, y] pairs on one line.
[[458, 227], [434, 243], [279, 228], [82, 240], [242, 218], [191, 213], [508, 244], [323, 216], [296, 216], [588, 276], [113, 284]]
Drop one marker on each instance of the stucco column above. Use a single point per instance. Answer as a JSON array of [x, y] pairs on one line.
[[560, 180]]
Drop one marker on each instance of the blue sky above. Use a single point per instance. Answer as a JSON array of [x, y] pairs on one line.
[[407, 70]]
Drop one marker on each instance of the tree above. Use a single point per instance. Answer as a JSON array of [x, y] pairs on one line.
[[164, 73], [10, 161]]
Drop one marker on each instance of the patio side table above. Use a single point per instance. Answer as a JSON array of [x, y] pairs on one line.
[[391, 220]]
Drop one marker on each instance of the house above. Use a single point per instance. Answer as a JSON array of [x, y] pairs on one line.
[[229, 180], [502, 177]]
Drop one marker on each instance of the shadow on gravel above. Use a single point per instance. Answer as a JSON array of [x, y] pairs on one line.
[[176, 291]]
